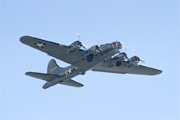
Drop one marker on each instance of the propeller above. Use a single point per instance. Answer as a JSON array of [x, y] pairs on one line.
[[79, 36], [98, 41], [135, 51], [82, 45], [142, 60], [138, 58], [125, 49], [124, 53]]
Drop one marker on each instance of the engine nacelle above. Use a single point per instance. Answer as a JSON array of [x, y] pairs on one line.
[[91, 52], [134, 60], [120, 57], [75, 45], [94, 49]]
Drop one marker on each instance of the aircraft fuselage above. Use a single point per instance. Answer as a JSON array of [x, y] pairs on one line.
[[108, 50]]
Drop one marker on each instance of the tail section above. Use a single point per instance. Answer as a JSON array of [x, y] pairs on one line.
[[53, 76], [53, 68]]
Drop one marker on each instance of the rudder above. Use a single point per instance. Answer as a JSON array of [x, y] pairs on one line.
[[53, 68]]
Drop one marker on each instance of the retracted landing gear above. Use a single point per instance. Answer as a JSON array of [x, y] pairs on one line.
[[90, 57], [118, 63]]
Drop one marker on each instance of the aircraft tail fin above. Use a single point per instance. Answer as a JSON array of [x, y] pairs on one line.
[[53, 68]]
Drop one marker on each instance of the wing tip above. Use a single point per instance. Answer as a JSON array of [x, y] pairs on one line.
[[28, 73], [157, 72], [81, 85], [23, 38]]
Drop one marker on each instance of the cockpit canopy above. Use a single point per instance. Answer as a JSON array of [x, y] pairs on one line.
[[117, 44]]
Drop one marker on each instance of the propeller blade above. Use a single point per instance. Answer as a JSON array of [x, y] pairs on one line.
[[135, 51], [140, 59], [98, 41], [125, 49], [143, 61], [78, 36], [127, 57], [85, 47]]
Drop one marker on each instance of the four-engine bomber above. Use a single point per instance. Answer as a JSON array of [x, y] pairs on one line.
[[104, 58]]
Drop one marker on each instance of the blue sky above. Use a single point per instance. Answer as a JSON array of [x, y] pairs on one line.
[[150, 27]]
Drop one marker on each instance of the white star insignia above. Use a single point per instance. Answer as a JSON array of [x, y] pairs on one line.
[[69, 71], [40, 45]]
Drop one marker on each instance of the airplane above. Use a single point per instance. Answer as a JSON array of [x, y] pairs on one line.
[[104, 58]]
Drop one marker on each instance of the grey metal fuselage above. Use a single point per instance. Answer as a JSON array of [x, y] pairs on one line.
[[107, 50]]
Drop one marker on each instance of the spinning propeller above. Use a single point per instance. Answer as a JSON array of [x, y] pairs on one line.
[[138, 58], [80, 43], [124, 54]]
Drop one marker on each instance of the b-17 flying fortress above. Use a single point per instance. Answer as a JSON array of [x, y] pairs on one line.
[[104, 58]]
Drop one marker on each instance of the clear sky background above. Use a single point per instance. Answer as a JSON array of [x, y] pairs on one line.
[[151, 27]]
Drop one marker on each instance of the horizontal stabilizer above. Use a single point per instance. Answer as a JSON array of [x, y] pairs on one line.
[[46, 77], [72, 83]]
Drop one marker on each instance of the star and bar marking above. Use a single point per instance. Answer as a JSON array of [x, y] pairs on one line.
[[40, 44]]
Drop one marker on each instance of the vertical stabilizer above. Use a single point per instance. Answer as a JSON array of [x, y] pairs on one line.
[[53, 68]]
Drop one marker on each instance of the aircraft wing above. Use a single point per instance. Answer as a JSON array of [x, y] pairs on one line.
[[125, 68], [72, 83], [54, 49]]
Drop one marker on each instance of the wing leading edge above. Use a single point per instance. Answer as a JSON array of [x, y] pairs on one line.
[[126, 68]]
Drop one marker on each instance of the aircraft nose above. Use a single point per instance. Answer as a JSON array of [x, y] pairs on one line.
[[117, 44], [120, 45]]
